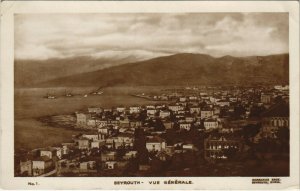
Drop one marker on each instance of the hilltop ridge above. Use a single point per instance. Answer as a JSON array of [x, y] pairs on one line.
[[183, 69]]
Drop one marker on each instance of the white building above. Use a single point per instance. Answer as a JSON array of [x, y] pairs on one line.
[[121, 109], [91, 122], [175, 108], [123, 139], [223, 103], [186, 126], [95, 110], [88, 165], [97, 144], [101, 123], [182, 99], [193, 98], [94, 136], [195, 110], [129, 155], [150, 107], [82, 118], [49, 152], [151, 112], [206, 113], [134, 109], [189, 119], [105, 130], [164, 114], [41, 165], [188, 146], [211, 124], [110, 165], [155, 144]]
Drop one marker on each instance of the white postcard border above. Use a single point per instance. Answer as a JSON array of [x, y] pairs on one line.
[[9, 8]]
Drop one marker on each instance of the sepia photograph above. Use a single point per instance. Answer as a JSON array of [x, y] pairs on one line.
[[153, 97], [152, 94]]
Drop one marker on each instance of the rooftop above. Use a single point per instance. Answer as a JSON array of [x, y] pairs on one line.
[[155, 139], [42, 158]]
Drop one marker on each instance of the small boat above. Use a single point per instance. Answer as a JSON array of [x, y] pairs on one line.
[[49, 96], [68, 94], [97, 92], [85, 95]]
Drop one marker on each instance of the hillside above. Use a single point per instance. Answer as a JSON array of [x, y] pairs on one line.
[[31, 72], [186, 69]]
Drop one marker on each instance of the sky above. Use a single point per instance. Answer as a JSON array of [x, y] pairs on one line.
[[149, 35]]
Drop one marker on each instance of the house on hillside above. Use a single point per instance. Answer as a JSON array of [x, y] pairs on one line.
[[168, 124], [223, 103], [87, 165], [221, 147], [108, 156], [96, 110], [164, 114], [122, 139], [175, 108], [276, 117], [121, 109], [49, 152], [155, 143], [26, 168], [195, 110], [151, 112], [41, 165], [206, 113], [185, 126], [182, 99], [266, 98], [134, 109], [210, 124], [82, 118], [94, 136], [129, 155], [84, 143], [135, 123]]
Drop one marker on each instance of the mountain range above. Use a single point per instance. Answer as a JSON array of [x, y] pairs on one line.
[[178, 69]]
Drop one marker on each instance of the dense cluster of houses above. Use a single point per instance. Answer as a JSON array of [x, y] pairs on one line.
[[111, 141]]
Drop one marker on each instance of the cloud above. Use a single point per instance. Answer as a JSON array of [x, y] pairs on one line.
[[143, 35]]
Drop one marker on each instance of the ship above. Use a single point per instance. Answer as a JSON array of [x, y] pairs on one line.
[[68, 94], [49, 96], [97, 92]]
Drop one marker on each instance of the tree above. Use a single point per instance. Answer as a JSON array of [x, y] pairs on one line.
[[158, 125], [156, 166], [142, 116], [131, 167], [278, 99], [256, 111], [140, 146], [250, 130], [283, 135], [176, 162], [189, 159], [230, 153], [238, 112]]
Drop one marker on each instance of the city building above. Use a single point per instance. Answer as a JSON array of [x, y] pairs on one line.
[[210, 124], [206, 113], [82, 118], [41, 165], [277, 116], [221, 147], [155, 143]]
